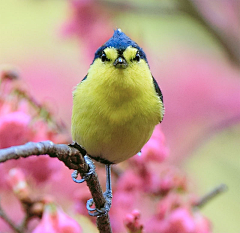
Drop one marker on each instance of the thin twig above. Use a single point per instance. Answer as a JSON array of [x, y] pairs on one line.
[[24, 223], [212, 194], [41, 109], [73, 159], [231, 48], [9, 221], [138, 8]]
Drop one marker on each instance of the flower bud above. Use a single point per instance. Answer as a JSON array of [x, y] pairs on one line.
[[54, 220]]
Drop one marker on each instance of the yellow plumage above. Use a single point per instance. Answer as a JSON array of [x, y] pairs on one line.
[[115, 110]]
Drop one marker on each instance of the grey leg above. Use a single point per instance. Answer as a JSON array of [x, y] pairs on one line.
[[107, 194]]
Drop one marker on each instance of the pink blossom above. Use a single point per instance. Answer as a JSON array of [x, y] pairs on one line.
[[54, 220], [122, 203], [180, 221], [200, 92], [155, 149], [129, 182], [91, 22], [142, 180], [171, 179], [166, 184], [14, 129], [167, 204], [203, 225], [155, 225], [144, 176], [18, 183], [5, 108], [42, 132], [132, 223], [41, 168], [175, 216], [17, 128]]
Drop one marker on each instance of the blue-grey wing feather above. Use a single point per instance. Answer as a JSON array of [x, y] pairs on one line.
[[157, 89]]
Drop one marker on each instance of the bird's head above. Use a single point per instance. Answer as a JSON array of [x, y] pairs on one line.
[[120, 52]]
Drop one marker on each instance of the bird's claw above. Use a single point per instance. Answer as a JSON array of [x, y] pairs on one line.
[[87, 175], [95, 212], [78, 147]]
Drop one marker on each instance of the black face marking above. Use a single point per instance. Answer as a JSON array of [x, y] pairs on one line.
[[104, 57], [137, 57], [120, 52]]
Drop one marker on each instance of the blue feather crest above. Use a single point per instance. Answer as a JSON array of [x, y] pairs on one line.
[[120, 41]]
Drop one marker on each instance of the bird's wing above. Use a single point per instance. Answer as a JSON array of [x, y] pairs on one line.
[[157, 89], [84, 78], [159, 92]]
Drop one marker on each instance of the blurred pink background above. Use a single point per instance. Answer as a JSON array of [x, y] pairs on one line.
[[193, 49]]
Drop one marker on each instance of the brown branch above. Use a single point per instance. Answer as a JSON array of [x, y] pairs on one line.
[[212, 194], [230, 47], [73, 159]]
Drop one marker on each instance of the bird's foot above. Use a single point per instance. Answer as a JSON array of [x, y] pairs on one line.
[[87, 175], [95, 212], [78, 147]]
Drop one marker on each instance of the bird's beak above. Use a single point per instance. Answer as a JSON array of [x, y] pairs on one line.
[[121, 63]]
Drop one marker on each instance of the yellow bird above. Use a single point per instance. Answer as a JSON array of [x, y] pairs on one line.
[[117, 105]]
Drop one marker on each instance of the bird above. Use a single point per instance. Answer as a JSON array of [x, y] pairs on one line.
[[117, 105]]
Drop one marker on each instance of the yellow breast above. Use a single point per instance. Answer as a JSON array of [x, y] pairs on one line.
[[115, 111]]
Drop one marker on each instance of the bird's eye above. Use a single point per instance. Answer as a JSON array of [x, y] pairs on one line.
[[104, 57], [137, 57]]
